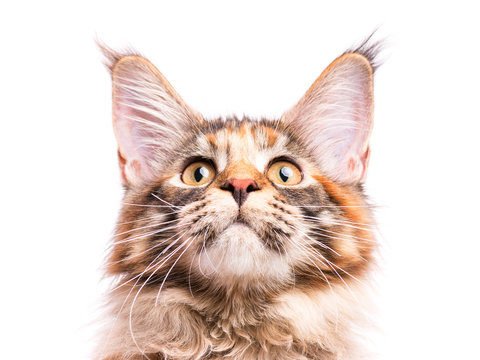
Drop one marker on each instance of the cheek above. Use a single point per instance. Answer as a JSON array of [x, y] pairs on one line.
[[269, 213], [258, 206]]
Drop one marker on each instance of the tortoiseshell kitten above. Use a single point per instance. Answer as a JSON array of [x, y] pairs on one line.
[[240, 239]]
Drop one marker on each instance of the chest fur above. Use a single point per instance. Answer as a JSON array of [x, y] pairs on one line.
[[295, 325]]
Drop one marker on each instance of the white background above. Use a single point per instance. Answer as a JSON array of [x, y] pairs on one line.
[[60, 188]]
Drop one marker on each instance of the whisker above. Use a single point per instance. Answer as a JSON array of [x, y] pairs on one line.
[[158, 231], [353, 237], [166, 202], [357, 242], [309, 248], [171, 268], [336, 220], [354, 223], [148, 250], [347, 273], [302, 246], [131, 290], [148, 205], [191, 264], [145, 227], [316, 241], [199, 264], [190, 275], [306, 252], [333, 264], [350, 226], [206, 252], [151, 217], [365, 227], [330, 264], [138, 293], [150, 266]]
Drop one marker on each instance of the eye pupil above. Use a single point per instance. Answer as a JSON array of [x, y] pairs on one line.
[[285, 173], [200, 173]]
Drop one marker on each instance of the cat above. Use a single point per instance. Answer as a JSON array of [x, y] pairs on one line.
[[239, 238]]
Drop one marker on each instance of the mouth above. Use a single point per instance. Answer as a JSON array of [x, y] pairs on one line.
[[239, 251], [239, 220], [211, 237]]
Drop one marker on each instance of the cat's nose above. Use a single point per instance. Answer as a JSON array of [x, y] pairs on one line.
[[240, 188]]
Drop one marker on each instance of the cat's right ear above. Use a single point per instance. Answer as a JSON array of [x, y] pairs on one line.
[[150, 119]]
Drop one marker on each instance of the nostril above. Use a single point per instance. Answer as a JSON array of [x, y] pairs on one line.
[[240, 188], [228, 186], [252, 187], [245, 185]]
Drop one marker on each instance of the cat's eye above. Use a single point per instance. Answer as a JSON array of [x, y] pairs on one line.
[[198, 173], [284, 173]]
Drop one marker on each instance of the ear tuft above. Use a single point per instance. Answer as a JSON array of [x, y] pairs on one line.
[[111, 56], [369, 49]]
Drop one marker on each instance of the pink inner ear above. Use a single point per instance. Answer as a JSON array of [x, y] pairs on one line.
[[149, 118], [335, 117], [134, 165]]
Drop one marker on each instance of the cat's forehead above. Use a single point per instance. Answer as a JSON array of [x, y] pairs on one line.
[[231, 141]]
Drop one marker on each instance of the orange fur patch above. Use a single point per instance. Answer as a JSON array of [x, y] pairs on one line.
[[355, 211], [272, 135]]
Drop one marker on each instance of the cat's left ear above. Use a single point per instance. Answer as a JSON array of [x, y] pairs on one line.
[[334, 118]]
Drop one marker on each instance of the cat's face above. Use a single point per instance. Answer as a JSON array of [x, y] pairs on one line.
[[242, 202]]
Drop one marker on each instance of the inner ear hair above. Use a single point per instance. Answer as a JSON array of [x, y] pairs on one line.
[[334, 118], [150, 119]]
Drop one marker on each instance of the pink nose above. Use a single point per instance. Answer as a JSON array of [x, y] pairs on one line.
[[240, 188]]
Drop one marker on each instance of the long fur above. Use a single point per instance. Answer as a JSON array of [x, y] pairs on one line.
[[284, 275]]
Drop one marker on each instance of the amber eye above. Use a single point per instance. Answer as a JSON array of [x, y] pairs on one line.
[[198, 173], [284, 173]]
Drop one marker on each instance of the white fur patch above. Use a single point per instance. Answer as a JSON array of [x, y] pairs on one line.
[[238, 252], [322, 314]]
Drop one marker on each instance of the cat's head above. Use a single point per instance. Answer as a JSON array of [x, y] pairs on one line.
[[237, 201]]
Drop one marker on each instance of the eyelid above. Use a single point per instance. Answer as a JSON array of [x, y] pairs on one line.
[[195, 159], [284, 158]]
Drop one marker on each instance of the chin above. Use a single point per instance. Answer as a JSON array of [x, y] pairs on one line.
[[237, 255]]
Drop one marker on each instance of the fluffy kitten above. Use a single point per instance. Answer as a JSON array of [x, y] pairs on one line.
[[240, 239]]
